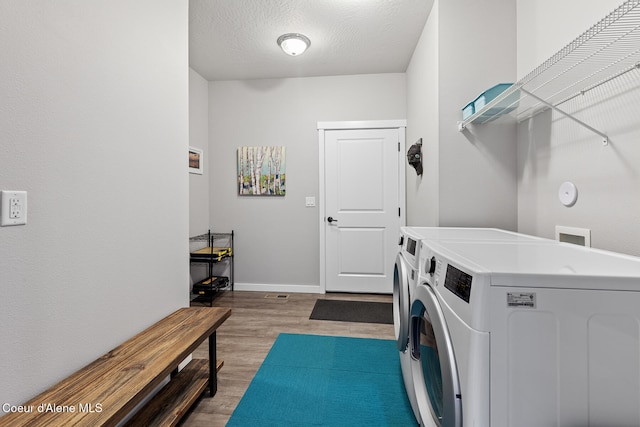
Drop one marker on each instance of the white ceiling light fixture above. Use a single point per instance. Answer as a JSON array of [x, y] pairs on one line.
[[293, 44]]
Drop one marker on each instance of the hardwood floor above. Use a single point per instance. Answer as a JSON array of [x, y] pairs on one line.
[[247, 336]]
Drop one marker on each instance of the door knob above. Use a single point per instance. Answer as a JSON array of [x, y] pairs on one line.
[[331, 220]]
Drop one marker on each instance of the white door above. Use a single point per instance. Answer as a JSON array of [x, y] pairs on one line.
[[363, 208]]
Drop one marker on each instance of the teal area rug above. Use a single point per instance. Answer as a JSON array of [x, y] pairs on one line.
[[313, 380]]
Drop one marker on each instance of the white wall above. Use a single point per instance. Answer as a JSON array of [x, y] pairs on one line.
[[553, 149], [423, 121], [199, 138], [471, 179], [94, 125], [277, 237]]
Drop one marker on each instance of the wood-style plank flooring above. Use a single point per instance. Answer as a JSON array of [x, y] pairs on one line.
[[246, 337]]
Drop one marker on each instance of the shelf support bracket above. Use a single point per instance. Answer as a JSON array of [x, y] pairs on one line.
[[605, 138]]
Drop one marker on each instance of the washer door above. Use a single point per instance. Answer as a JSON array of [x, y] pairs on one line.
[[433, 363], [401, 303]]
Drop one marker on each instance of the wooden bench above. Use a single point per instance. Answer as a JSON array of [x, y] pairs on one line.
[[108, 389]]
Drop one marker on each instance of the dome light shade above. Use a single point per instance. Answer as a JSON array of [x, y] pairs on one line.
[[293, 44]]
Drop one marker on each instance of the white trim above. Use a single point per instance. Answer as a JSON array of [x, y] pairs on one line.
[[321, 227], [402, 173], [373, 124], [274, 287]]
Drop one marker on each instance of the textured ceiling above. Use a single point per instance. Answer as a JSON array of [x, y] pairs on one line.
[[236, 39]]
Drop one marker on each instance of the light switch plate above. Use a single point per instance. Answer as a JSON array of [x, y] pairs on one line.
[[310, 201], [13, 210]]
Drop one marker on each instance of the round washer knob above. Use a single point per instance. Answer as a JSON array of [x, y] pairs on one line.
[[432, 265]]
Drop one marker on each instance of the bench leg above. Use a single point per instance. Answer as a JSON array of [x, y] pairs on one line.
[[213, 374]]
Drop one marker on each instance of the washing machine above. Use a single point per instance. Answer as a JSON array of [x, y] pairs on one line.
[[506, 334], [407, 272], [405, 278]]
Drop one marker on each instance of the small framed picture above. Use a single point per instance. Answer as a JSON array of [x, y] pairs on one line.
[[195, 160]]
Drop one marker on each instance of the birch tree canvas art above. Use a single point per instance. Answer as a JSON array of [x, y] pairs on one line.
[[261, 171]]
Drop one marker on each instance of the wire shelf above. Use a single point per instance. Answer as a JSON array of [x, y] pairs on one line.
[[210, 235], [198, 238], [604, 52]]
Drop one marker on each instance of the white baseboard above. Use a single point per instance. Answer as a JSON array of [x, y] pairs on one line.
[[272, 287]]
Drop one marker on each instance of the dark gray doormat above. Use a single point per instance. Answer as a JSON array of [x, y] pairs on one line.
[[353, 311]]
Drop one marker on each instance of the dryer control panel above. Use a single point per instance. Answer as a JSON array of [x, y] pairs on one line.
[[411, 246], [458, 282]]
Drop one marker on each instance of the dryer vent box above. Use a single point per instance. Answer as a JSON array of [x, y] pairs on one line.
[[576, 236]]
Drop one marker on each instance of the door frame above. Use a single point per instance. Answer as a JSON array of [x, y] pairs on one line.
[[346, 125]]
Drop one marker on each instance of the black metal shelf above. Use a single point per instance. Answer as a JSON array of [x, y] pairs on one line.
[[214, 252]]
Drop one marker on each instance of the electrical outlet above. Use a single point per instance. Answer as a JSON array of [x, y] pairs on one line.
[[13, 210]]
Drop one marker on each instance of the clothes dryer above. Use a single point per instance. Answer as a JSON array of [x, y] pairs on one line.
[[507, 334], [407, 272]]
